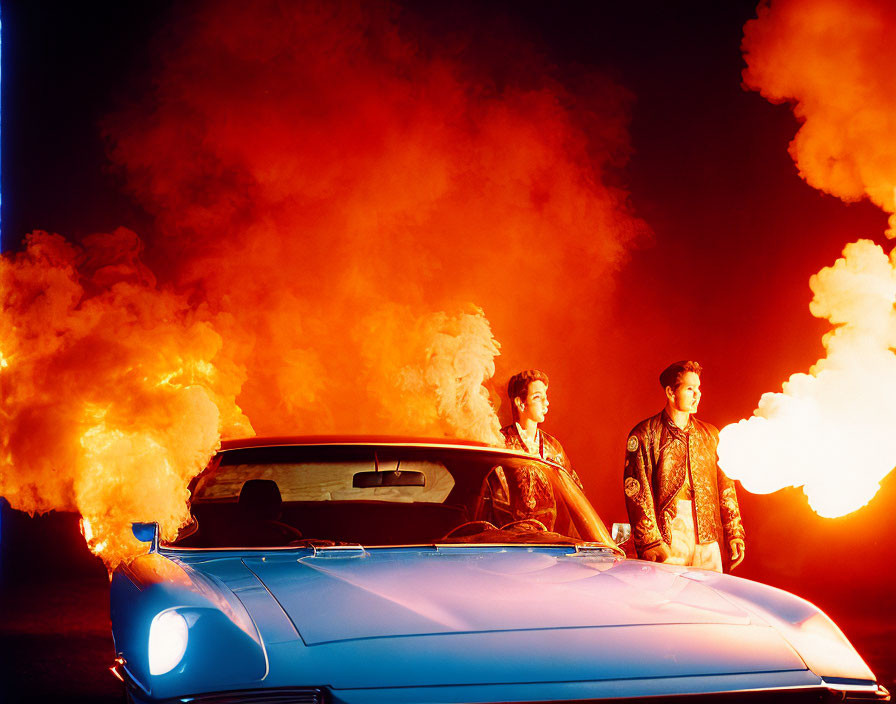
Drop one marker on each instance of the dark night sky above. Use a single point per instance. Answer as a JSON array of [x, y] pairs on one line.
[[724, 278]]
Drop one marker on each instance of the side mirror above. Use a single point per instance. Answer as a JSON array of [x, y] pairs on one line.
[[622, 533], [146, 532]]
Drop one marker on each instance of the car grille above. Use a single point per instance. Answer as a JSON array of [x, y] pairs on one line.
[[304, 695]]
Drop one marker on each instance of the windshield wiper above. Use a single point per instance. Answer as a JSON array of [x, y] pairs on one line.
[[592, 548], [339, 550]]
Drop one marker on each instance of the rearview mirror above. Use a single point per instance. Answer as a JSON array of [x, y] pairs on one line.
[[369, 480]]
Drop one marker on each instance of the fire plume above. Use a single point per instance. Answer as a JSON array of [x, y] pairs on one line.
[[831, 430]]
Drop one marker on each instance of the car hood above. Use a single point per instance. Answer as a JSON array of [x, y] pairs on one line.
[[385, 593], [482, 612]]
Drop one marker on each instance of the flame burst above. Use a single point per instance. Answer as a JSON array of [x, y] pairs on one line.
[[335, 199], [831, 430], [115, 391]]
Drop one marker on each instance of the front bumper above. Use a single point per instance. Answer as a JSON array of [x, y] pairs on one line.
[[735, 689]]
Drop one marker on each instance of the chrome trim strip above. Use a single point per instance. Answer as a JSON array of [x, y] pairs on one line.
[[278, 695], [326, 442], [174, 550]]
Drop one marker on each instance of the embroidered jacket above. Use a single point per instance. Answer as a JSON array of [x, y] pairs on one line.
[[662, 461], [549, 448]]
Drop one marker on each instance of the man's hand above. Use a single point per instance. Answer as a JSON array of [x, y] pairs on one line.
[[660, 553], [738, 549]]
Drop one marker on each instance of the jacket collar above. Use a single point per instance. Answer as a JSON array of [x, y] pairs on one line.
[[670, 424]]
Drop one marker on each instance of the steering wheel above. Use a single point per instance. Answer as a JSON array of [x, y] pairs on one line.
[[525, 524], [469, 528]]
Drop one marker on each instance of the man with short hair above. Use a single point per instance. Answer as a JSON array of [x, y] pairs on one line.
[[528, 392], [681, 505]]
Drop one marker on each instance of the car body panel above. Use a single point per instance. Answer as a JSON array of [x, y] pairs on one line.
[[552, 655], [431, 591]]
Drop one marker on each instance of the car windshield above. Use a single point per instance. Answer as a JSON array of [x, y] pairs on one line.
[[385, 495]]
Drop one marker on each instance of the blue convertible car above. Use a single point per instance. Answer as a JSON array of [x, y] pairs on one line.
[[383, 572]]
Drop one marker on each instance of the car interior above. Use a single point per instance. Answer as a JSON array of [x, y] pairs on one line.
[[314, 503]]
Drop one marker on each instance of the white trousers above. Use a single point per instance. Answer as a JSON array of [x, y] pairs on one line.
[[685, 548]]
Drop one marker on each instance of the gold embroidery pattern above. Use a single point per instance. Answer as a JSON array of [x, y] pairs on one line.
[[645, 531], [531, 495]]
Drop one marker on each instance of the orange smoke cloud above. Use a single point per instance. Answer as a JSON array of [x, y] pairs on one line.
[[114, 391], [834, 60], [311, 166], [830, 430], [337, 201]]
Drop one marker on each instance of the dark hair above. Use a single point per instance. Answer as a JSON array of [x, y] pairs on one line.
[[518, 386], [671, 375]]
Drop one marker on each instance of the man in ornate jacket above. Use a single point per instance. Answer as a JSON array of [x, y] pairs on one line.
[[528, 392], [681, 505]]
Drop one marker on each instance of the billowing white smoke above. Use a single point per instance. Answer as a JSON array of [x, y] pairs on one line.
[[832, 431]]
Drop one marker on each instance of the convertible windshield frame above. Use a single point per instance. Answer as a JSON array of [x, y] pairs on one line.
[[469, 469]]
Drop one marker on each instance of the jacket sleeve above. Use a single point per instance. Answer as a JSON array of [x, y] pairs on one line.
[[638, 494], [729, 509]]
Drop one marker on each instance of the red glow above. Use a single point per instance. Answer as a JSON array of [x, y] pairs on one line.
[[334, 203]]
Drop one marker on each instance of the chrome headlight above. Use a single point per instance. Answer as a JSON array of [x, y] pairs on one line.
[[167, 642]]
